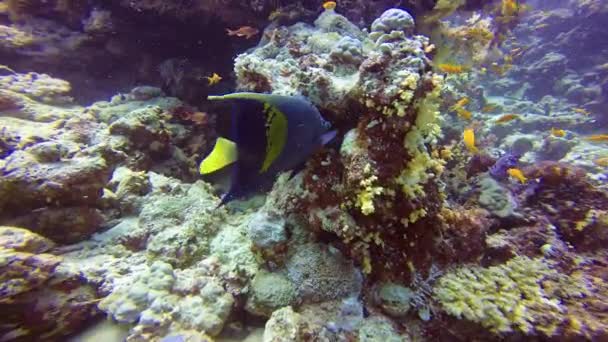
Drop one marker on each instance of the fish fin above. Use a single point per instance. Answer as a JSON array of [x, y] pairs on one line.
[[225, 199], [240, 96], [276, 135], [297, 170], [223, 154], [327, 137]]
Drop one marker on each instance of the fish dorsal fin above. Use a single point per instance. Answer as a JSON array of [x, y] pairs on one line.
[[276, 135], [223, 154]]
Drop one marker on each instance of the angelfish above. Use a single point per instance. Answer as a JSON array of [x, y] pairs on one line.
[[271, 134]]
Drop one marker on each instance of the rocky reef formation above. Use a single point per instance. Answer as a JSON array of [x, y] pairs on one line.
[[56, 166], [396, 231], [379, 87], [39, 298], [174, 44]]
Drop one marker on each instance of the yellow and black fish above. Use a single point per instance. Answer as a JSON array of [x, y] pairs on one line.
[[272, 133]]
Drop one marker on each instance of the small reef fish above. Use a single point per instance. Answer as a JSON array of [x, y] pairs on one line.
[[556, 132], [458, 107], [489, 108], [517, 174], [508, 117], [243, 31], [508, 161], [329, 5], [581, 111], [451, 68], [509, 8], [597, 138], [469, 140], [272, 133], [463, 113], [214, 79], [462, 102], [603, 161]]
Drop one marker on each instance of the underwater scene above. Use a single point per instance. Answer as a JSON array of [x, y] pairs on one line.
[[305, 170]]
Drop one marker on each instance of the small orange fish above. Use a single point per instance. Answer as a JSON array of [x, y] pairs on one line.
[[556, 132], [515, 51], [509, 8], [507, 118], [517, 174], [243, 31], [199, 118], [469, 140], [489, 108], [597, 138], [329, 5], [463, 113], [214, 79], [603, 161], [462, 102], [451, 68], [581, 111]]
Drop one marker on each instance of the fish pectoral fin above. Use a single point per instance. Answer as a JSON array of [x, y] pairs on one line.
[[223, 154], [328, 137]]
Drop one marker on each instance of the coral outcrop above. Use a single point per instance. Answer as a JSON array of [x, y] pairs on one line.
[[379, 84], [39, 298]]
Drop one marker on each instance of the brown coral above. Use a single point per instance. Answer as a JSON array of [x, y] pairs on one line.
[[463, 234], [572, 203]]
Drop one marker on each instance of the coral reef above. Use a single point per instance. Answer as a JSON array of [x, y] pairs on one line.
[[156, 292], [38, 298], [56, 165], [571, 202], [383, 175], [394, 231], [533, 297]]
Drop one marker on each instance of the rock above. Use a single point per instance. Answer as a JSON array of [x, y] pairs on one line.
[[162, 299], [23, 272], [144, 93], [394, 299], [23, 240], [37, 296], [393, 20], [270, 292], [378, 329], [78, 181], [233, 249], [321, 274], [41, 87], [496, 198], [283, 326], [62, 225], [266, 231]]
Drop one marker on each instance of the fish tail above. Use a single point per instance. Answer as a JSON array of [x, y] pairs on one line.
[[230, 32]]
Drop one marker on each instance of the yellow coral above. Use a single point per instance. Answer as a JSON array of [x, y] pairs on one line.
[[365, 198], [425, 131], [508, 297], [592, 217]]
